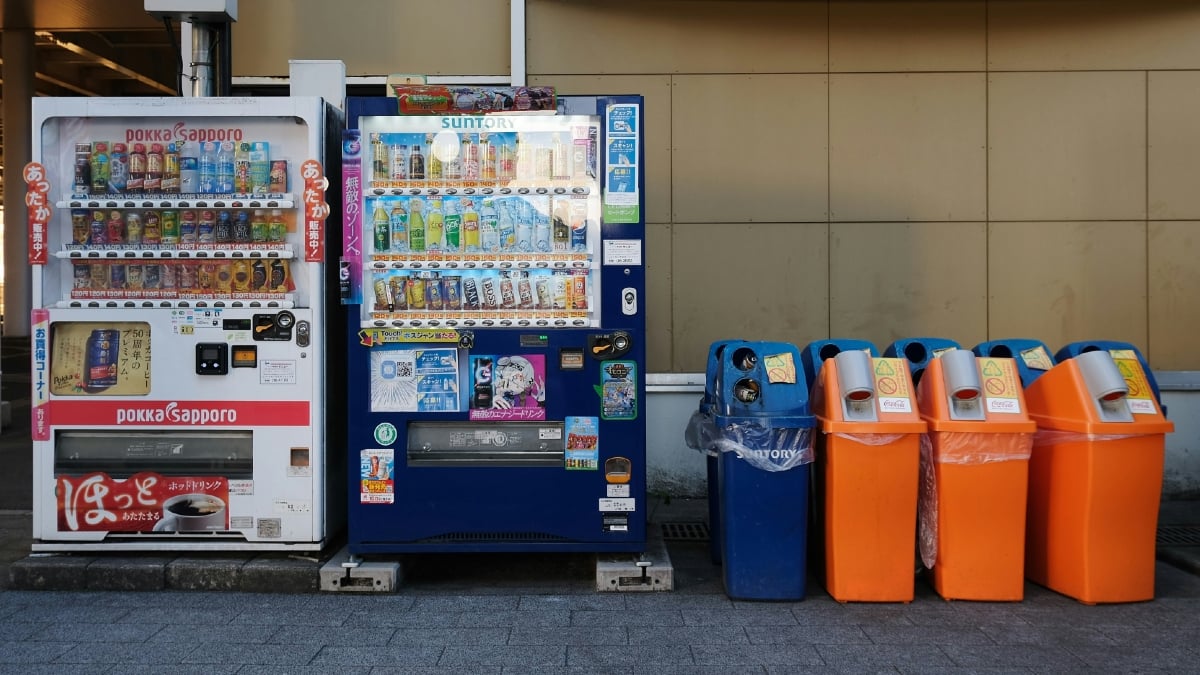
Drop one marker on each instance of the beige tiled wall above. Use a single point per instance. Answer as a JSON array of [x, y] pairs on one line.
[[973, 169]]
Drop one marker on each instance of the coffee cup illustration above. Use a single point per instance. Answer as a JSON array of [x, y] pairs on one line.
[[192, 513]]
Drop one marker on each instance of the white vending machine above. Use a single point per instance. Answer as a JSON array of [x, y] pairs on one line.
[[180, 301]]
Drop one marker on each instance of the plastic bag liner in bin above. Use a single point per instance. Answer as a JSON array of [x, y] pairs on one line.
[[959, 447], [766, 443]]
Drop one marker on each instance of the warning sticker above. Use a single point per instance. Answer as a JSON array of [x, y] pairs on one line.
[[891, 382], [1037, 358], [781, 368], [890, 379], [1000, 385], [1140, 397]]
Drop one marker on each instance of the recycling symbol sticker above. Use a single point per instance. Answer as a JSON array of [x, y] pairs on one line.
[[385, 433]]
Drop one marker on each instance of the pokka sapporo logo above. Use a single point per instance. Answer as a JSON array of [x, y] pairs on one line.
[[618, 371], [182, 132], [173, 413]]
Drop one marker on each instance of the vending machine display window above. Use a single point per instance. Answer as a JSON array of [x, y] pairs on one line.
[[100, 358]]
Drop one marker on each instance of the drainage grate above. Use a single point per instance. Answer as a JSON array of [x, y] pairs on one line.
[[1179, 535], [685, 531]]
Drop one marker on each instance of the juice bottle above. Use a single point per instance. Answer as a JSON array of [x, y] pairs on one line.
[[259, 230], [99, 168], [487, 159], [453, 227], [276, 227], [399, 160], [118, 169], [434, 225], [489, 234], [260, 167], [381, 224], [154, 168], [416, 226], [434, 165], [470, 226], [469, 156], [225, 170], [380, 166], [398, 220], [507, 229], [416, 164], [170, 176], [136, 182], [241, 169]]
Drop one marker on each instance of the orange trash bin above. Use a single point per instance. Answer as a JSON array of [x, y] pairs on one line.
[[974, 475], [1095, 479], [868, 464]]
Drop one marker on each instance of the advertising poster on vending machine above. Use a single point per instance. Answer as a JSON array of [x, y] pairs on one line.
[[100, 359], [583, 443], [377, 476], [144, 502], [510, 387], [414, 380]]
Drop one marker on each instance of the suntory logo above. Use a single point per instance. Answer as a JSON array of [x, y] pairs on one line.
[[476, 122]]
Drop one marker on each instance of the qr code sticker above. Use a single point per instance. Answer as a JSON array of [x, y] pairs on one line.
[[405, 368]]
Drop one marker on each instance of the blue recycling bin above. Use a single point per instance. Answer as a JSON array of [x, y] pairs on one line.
[[763, 431], [1031, 356], [708, 407], [815, 353], [919, 351], [1076, 348]]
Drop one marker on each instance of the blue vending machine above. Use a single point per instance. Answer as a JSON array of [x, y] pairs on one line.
[[496, 361]]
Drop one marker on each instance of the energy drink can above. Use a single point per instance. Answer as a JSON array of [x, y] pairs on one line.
[[544, 299], [416, 292], [383, 300], [150, 277], [508, 298], [433, 292], [187, 227], [80, 221], [579, 299], [398, 288], [470, 294], [278, 279], [99, 272], [241, 276], [452, 292], [168, 276], [170, 228], [116, 276], [83, 275], [133, 229], [116, 228], [189, 276], [206, 228], [258, 275], [488, 294], [97, 229], [151, 228], [100, 359], [134, 277], [204, 276], [525, 293]]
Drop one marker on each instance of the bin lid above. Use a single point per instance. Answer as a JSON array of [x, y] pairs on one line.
[[1061, 400], [892, 398], [1000, 396]]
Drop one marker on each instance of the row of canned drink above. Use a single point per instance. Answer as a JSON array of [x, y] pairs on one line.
[[173, 227], [482, 291], [512, 224], [120, 279]]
